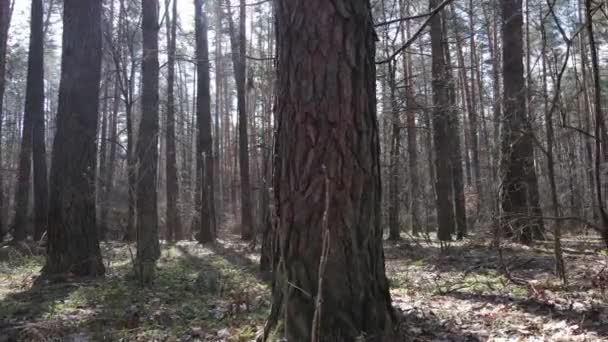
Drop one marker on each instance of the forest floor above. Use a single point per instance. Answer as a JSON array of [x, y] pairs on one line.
[[217, 294]]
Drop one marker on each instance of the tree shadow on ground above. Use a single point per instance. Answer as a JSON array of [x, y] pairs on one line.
[[33, 310], [588, 319], [117, 307], [469, 258]]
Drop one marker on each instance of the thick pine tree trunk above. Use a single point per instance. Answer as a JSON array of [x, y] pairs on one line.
[[441, 131], [41, 191], [519, 196], [5, 17], [33, 116], [328, 145], [172, 216], [73, 246], [148, 250], [454, 138], [204, 146]]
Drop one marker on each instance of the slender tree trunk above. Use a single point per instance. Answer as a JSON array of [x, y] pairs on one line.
[[218, 156], [328, 171], [148, 250], [109, 177], [41, 191], [73, 245], [238, 43], [204, 147], [560, 269], [473, 114], [103, 148], [5, 18], [172, 216], [395, 154], [411, 129]]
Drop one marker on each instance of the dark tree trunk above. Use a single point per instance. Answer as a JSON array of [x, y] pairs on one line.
[[41, 191], [454, 138], [441, 130], [34, 111], [73, 245], [599, 119], [5, 18], [328, 145], [238, 44], [148, 250], [204, 146], [173, 220], [394, 170], [518, 177]]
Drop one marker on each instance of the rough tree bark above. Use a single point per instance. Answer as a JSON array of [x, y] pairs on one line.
[[41, 191], [454, 138], [173, 220], [517, 150], [441, 130], [148, 249], [326, 111], [204, 146], [33, 116], [73, 246]]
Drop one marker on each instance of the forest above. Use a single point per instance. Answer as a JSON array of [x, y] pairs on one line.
[[303, 170]]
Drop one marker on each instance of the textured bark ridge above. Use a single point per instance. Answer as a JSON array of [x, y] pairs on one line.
[[519, 194], [73, 246], [204, 146], [148, 249], [327, 118]]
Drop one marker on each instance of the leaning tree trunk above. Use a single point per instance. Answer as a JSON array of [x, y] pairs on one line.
[[5, 17], [73, 246], [204, 146], [328, 174], [148, 250]]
